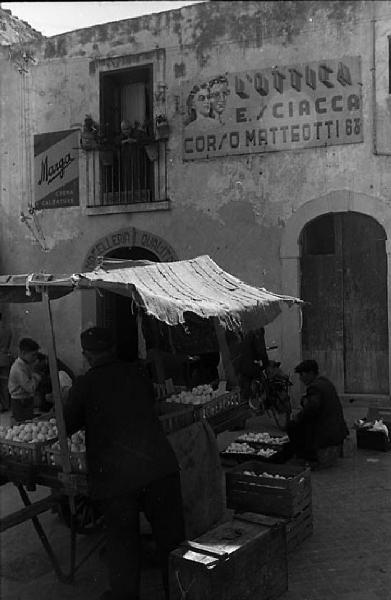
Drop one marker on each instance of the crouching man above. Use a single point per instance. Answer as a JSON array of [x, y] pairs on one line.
[[320, 423]]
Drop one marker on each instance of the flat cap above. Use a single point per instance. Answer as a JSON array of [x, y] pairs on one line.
[[307, 366], [96, 339]]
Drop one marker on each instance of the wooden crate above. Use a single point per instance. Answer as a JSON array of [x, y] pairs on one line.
[[285, 451], [175, 416], [218, 405], [232, 457], [78, 460], [243, 559], [299, 528], [25, 452], [266, 495], [372, 440]]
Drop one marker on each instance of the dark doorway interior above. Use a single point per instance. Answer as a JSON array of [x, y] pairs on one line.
[[115, 311]]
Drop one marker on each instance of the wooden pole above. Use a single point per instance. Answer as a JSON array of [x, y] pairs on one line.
[[62, 434], [225, 354]]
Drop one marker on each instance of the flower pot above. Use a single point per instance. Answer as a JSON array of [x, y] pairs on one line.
[[162, 131], [152, 151], [88, 141]]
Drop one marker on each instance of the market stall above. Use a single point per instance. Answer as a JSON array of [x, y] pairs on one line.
[[168, 293]]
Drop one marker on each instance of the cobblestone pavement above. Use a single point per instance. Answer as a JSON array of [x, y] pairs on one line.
[[347, 558]]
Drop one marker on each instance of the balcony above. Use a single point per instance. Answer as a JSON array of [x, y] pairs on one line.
[[127, 177]]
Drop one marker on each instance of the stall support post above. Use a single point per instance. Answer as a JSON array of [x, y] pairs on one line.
[[225, 354], [62, 434]]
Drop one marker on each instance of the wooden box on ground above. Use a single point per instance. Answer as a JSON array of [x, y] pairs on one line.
[[299, 528], [372, 440], [243, 559], [269, 495]]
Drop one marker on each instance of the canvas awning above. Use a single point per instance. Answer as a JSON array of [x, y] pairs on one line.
[[166, 291]]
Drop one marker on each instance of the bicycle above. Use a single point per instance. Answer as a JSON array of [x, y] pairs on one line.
[[269, 393]]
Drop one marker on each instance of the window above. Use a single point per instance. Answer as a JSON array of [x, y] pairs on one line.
[[130, 159]]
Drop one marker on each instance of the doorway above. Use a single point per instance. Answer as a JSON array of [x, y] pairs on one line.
[[115, 311], [344, 280]]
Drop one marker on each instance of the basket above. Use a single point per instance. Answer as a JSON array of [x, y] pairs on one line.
[[78, 460], [217, 405], [25, 452], [266, 495], [175, 416]]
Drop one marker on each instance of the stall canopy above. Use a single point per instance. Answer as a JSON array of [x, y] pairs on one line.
[[166, 291]]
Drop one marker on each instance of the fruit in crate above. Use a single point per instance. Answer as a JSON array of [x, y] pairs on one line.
[[263, 438], [198, 395], [76, 443], [266, 452], [264, 474], [238, 448], [31, 431]]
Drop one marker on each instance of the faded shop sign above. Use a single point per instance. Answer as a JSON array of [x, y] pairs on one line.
[[56, 169], [280, 108]]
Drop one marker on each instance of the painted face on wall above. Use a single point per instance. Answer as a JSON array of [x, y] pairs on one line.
[[201, 102], [218, 94]]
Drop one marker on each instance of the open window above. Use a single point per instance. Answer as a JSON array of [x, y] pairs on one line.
[[127, 169]]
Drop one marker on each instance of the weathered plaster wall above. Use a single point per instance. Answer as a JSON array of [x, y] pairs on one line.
[[234, 209]]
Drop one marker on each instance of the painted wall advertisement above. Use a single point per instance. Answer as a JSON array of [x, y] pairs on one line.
[[56, 169], [281, 108]]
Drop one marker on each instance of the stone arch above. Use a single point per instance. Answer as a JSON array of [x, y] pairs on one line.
[[337, 201], [129, 237], [126, 237]]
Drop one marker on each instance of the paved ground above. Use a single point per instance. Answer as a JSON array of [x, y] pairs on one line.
[[347, 558]]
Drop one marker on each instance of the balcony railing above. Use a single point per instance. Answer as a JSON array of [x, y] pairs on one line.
[[131, 174]]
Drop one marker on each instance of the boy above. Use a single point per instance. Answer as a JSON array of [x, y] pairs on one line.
[[23, 381]]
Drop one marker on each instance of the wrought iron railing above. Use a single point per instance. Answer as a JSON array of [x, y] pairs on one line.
[[130, 174]]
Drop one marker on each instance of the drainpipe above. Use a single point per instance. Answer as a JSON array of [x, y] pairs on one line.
[[373, 71]]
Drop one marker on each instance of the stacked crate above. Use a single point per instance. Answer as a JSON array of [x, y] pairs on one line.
[[254, 487], [242, 559]]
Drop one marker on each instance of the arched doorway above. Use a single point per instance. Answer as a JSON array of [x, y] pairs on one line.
[[115, 311], [343, 266]]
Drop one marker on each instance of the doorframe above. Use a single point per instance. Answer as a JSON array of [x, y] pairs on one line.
[[333, 202]]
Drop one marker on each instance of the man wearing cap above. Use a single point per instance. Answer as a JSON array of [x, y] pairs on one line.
[[131, 464], [320, 422]]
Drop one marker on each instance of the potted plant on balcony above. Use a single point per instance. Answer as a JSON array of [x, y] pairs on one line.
[[162, 127]]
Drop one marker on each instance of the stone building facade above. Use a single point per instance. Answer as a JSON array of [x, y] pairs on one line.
[[276, 164]]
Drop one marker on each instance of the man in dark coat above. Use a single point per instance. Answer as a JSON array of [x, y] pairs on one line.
[[320, 422], [131, 464]]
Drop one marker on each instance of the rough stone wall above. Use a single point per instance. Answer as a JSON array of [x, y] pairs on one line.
[[232, 208], [14, 30]]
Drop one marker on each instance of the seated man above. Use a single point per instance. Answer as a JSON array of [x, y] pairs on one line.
[[320, 422]]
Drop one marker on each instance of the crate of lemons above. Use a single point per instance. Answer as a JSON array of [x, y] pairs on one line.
[[206, 401], [26, 442], [77, 453]]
